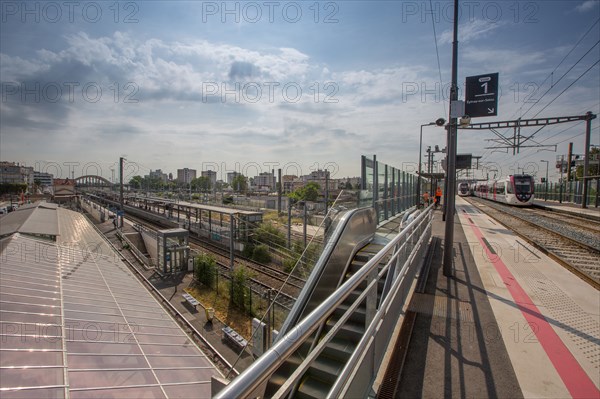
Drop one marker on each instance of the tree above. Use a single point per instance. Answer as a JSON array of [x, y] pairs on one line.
[[593, 169], [12, 188], [240, 184], [136, 182], [201, 183], [240, 289], [310, 192], [205, 269]]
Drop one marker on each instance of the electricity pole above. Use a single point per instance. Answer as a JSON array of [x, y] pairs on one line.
[[586, 159], [121, 159], [451, 156]]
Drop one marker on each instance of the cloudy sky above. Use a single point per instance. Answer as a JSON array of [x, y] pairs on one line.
[[251, 86]]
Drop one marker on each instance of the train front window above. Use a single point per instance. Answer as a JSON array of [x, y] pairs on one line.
[[522, 186]]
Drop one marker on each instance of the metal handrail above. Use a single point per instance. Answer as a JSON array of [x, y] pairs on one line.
[[248, 383], [340, 387], [314, 277]]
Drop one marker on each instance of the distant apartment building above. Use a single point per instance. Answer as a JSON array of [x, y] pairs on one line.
[[347, 182], [211, 175], [158, 174], [185, 175], [265, 181], [231, 176], [288, 182], [322, 178], [13, 173], [45, 180]]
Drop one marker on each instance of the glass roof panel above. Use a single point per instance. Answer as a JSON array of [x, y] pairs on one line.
[[31, 377], [169, 376], [110, 378], [42, 393], [33, 341], [152, 349], [11, 289], [161, 339], [188, 390], [106, 361], [176, 361], [25, 358], [103, 347], [138, 393], [115, 330], [32, 318]]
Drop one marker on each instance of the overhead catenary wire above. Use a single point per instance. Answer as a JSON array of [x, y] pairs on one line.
[[437, 53], [551, 74], [488, 152], [569, 86]]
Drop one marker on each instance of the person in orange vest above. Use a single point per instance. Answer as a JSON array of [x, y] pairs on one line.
[[426, 198], [438, 195]]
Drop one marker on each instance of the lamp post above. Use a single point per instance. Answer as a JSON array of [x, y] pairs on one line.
[[419, 173], [438, 122], [546, 194]]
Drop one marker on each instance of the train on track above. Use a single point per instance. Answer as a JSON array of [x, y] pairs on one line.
[[465, 189], [513, 190]]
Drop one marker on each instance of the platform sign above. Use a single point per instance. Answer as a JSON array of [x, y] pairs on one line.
[[481, 95], [463, 161]]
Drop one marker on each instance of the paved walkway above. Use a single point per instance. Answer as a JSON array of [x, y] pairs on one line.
[[509, 322], [454, 351]]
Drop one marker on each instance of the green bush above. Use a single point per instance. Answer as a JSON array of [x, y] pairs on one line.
[[269, 234], [248, 250], [289, 263], [240, 288], [261, 254], [205, 269], [227, 200]]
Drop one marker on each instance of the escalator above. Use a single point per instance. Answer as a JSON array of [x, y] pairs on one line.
[[336, 336], [351, 247]]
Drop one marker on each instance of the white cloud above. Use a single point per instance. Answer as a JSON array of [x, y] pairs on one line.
[[586, 5], [473, 30], [503, 60]]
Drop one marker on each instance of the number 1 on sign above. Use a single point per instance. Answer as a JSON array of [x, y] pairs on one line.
[[485, 87]]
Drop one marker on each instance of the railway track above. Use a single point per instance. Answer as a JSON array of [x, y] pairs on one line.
[[560, 240], [582, 225], [267, 278], [272, 272]]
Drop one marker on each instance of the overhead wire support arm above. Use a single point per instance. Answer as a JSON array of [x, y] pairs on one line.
[[523, 123], [516, 141]]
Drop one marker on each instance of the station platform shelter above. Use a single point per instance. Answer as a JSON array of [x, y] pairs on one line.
[[209, 221]]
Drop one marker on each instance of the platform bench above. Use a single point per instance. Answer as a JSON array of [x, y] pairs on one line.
[[191, 300], [234, 338]]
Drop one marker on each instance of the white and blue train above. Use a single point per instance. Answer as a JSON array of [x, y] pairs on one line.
[[464, 189], [512, 190]]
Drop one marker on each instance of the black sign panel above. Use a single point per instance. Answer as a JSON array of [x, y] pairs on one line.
[[481, 96], [463, 161]]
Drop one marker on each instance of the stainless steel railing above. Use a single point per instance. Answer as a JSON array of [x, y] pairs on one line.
[[401, 256]]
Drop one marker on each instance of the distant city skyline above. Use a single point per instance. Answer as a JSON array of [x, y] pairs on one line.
[[255, 86]]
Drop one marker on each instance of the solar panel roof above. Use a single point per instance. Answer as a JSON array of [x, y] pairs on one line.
[[75, 322]]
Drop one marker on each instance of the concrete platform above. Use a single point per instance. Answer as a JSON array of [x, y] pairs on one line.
[[509, 322], [568, 207]]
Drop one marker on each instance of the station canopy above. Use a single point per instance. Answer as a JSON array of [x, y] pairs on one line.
[[75, 322]]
